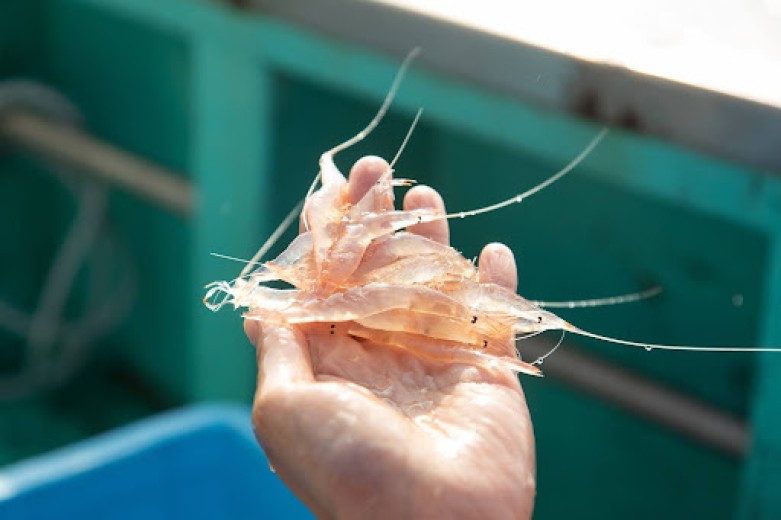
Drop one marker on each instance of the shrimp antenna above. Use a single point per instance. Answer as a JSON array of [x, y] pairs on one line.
[[234, 258], [544, 184], [600, 302], [270, 241], [360, 136], [528, 335], [542, 358], [406, 138], [403, 182], [652, 346]]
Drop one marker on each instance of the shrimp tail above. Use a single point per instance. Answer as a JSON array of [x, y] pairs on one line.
[[516, 365]]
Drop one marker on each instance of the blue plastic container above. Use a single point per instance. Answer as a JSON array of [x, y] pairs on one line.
[[199, 462]]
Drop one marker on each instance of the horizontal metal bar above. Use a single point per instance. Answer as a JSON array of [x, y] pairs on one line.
[[644, 397], [76, 149]]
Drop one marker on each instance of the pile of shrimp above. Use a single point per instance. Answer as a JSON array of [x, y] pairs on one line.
[[355, 271]]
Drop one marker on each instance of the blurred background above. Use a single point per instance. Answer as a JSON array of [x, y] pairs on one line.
[[139, 136]]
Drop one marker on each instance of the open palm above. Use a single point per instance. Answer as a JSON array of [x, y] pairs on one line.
[[361, 430]]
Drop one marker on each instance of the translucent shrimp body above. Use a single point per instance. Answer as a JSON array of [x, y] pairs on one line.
[[356, 272]]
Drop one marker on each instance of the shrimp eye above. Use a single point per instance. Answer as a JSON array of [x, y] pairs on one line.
[[539, 319], [474, 319]]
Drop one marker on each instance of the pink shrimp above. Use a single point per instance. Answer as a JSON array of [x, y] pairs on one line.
[[355, 272]]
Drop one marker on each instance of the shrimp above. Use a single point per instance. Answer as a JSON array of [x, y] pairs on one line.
[[355, 271]]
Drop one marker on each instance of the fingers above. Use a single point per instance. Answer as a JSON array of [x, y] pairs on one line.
[[364, 173], [424, 197], [282, 354], [497, 265]]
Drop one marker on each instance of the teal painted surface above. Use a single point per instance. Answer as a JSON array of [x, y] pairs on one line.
[[585, 238], [762, 476], [105, 394], [19, 36], [29, 241], [245, 105], [231, 156], [594, 462], [133, 85]]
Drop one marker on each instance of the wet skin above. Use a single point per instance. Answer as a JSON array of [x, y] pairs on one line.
[[360, 430]]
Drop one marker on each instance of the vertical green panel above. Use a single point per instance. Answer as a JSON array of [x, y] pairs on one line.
[[231, 154], [761, 498]]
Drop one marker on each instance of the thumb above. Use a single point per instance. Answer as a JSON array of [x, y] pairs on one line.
[[283, 355]]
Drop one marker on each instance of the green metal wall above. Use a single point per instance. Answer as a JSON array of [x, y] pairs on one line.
[[245, 105]]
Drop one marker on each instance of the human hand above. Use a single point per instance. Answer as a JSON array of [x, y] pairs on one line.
[[360, 430]]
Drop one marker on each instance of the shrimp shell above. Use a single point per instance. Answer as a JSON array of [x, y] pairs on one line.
[[355, 272]]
